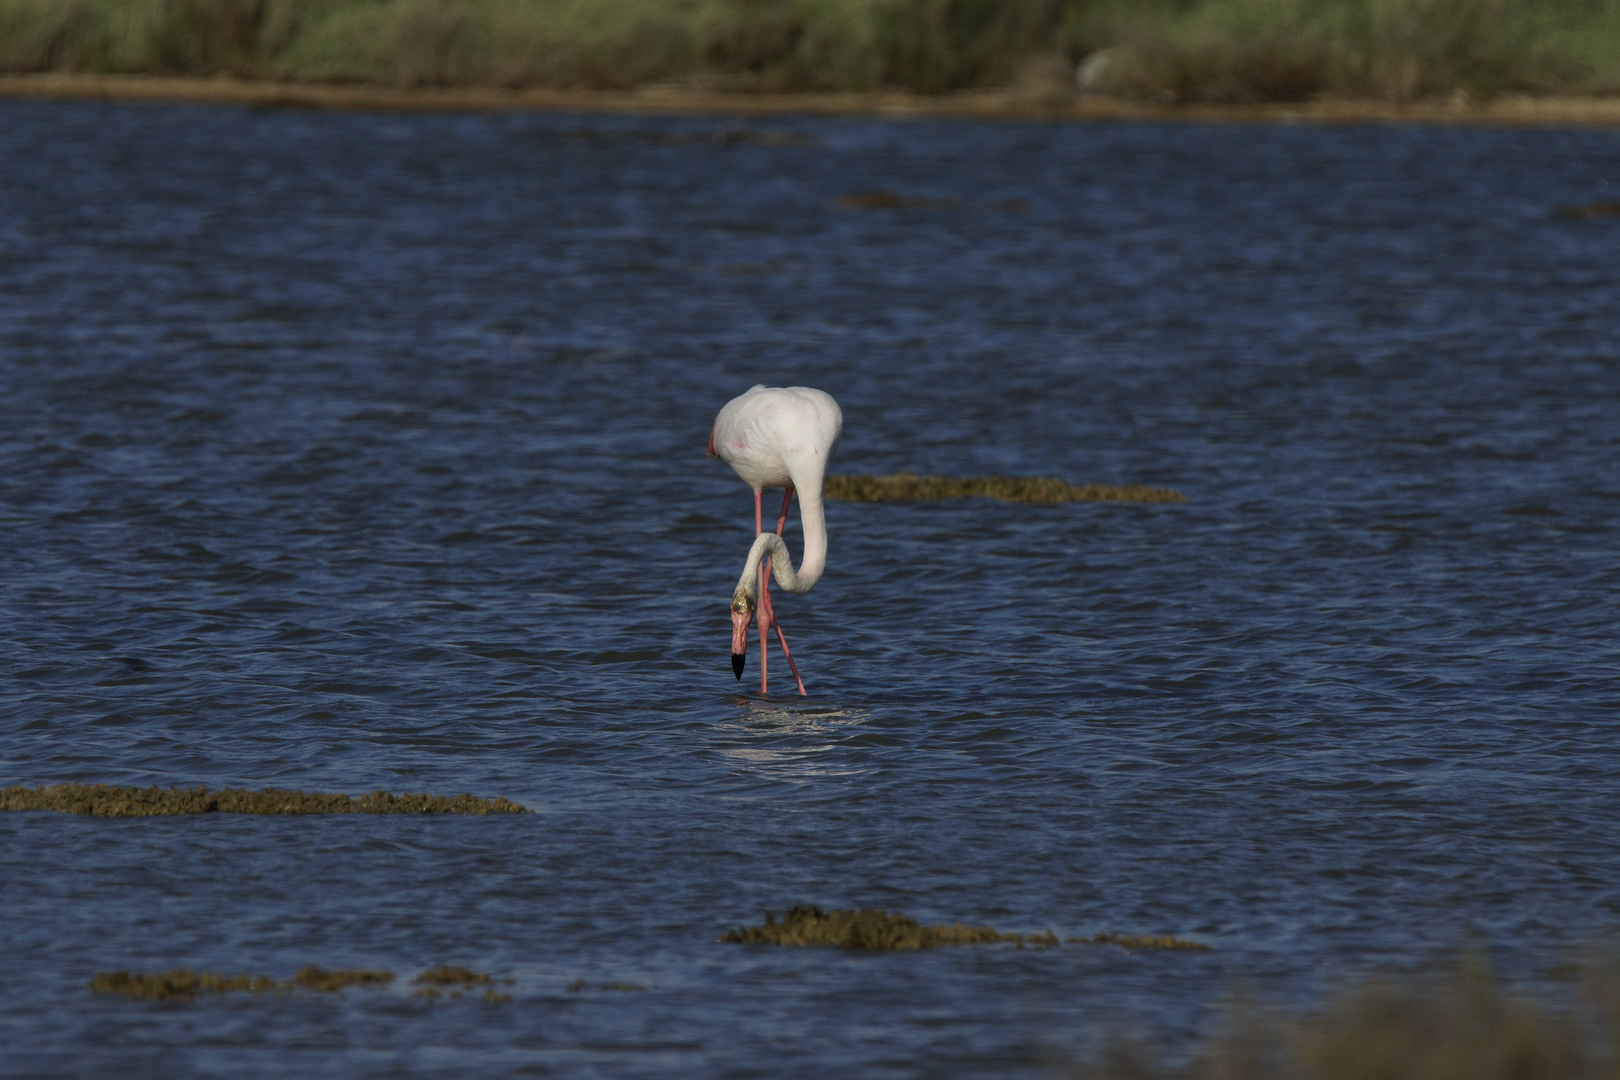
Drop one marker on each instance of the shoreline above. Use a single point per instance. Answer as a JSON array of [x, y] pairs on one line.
[[974, 105]]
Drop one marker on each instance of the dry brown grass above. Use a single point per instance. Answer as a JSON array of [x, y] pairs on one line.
[[1025, 489], [107, 800]]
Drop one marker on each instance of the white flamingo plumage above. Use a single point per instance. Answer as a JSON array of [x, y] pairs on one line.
[[777, 436]]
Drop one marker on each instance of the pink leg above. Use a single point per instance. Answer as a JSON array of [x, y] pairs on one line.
[[765, 623], [763, 615], [791, 665], [781, 523], [766, 615], [781, 520]]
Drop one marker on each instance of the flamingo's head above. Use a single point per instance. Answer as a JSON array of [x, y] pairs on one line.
[[742, 613]]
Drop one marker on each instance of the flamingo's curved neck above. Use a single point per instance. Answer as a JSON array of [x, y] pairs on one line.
[[813, 520], [771, 546]]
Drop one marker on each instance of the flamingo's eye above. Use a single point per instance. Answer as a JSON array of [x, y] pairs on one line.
[[742, 603]]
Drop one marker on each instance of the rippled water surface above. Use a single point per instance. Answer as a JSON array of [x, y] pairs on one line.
[[346, 452]]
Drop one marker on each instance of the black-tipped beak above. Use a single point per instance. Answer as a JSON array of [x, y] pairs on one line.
[[739, 641]]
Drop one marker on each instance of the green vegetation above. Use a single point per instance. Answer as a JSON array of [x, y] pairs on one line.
[[1027, 489], [107, 800], [1156, 50]]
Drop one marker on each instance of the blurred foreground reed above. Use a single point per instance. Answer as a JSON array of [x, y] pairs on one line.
[[1462, 1027], [1047, 50]]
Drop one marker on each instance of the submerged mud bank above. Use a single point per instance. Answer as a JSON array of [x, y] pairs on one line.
[[108, 800], [900, 487], [874, 930]]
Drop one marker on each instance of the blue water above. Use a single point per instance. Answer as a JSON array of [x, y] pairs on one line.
[[355, 451]]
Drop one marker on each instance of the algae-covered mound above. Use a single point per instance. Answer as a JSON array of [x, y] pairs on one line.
[[434, 982], [870, 930], [1025, 489], [311, 977], [444, 975], [873, 930], [177, 984], [183, 984], [107, 800], [381, 802], [1139, 941], [617, 987]]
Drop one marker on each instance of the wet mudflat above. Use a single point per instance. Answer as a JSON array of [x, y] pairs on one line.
[[353, 453]]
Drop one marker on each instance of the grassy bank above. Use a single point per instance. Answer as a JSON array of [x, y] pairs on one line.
[[1052, 50]]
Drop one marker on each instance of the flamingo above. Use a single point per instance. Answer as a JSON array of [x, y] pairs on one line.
[[776, 436]]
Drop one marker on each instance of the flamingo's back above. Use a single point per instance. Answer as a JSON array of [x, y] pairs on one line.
[[779, 435]]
